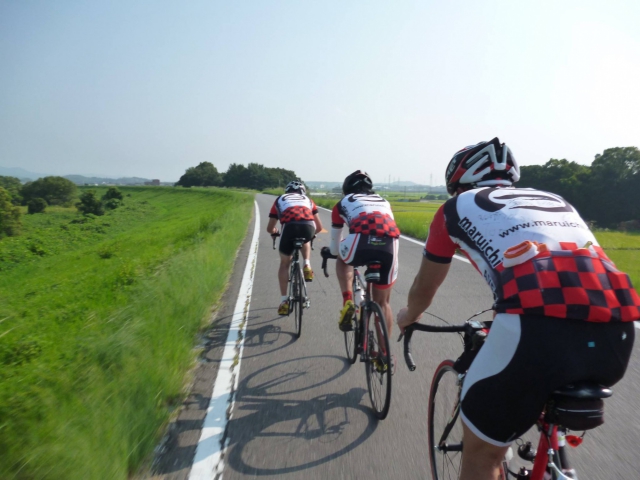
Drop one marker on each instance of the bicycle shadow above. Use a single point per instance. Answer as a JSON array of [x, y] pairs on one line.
[[339, 421], [259, 334]]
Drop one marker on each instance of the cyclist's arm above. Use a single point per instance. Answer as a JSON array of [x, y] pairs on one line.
[[337, 222], [271, 226], [425, 285], [318, 223], [438, 252], [336, 237]]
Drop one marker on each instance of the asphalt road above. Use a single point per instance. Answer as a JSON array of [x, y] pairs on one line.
[[301, 411]]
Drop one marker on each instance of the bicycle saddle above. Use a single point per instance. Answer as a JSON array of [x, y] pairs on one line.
[[583, 390]]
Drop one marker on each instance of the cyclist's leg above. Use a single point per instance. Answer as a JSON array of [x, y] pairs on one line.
[[307, 231], [283, 273], [344, 273], [382, 297], [286, 250], [481, 460]]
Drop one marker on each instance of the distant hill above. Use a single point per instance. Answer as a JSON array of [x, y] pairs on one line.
[[81, 180], [20, 173], [26, 175]]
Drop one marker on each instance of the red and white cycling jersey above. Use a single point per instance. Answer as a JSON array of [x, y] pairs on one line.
[[562, 272], [294, 208], [369, 214]]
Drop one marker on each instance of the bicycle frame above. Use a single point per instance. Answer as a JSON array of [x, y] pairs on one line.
[[295, 265]]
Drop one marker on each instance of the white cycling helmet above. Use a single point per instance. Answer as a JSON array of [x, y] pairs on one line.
[[295, 186], [482, 165]]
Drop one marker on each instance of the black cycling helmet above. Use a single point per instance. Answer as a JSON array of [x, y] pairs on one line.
[[358, 182], [295, 186], [482, 165]]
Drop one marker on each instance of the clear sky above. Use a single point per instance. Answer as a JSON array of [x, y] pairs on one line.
[[149, 88]]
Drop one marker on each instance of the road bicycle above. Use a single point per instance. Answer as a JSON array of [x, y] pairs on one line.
[[576, 407], [367, 335], [297, 290]]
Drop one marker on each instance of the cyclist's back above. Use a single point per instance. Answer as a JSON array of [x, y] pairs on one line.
[[535, 252], [563, 311], [373, 235]]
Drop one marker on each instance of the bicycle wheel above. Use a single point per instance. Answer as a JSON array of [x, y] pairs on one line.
[[378, 360], [445, 426], [351, 339], [298, 301]]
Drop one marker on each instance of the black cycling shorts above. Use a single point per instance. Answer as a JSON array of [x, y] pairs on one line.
[[526, 357], [358, 249], [291, 231]]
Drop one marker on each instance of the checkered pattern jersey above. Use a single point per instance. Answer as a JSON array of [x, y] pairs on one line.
[[296, 213], [376, 224], [576, 283]]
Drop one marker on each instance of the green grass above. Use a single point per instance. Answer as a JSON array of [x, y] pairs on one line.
[[274, 191], [624, 249], [97, 327]]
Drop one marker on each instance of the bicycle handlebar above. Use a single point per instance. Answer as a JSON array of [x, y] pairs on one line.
[[325, 253], [408, 333], [274, 236]]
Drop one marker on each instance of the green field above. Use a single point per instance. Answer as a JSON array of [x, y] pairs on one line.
[[98, 318], [413, 219]]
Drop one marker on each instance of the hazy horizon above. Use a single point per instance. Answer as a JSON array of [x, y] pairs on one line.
[[150, 89]]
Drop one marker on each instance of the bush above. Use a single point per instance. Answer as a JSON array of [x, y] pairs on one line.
[[55, 190], [12, 185], [113, 193], [36, 205], [112, 204], [9, 215], [89, 203]]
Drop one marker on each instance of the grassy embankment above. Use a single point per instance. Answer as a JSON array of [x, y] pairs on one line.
[[413, 219], [97, 326]]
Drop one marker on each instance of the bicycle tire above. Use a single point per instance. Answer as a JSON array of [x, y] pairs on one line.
[[351, 339], [298, 302], [378, 361], [445, 426]]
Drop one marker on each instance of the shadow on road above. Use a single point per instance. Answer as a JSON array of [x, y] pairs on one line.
[[296, 426]]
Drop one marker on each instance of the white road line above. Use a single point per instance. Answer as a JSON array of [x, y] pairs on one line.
[[208, 462], [413, 240]]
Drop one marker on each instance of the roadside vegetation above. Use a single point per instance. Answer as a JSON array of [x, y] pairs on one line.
[[253, 177], [98, 316]]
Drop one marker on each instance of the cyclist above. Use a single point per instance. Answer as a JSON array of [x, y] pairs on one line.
[[563, 312], [298, 215], [373, 235]]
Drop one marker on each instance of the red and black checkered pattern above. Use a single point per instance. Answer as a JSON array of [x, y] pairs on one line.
[[296, 214], [579, 284], [376, 224]]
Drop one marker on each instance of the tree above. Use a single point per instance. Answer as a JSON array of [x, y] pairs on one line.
[[9, 215], [614, 186], [113, 193], [55, 190], [236, 176], [607, 192], [89, 203], [36, 205], [13, 186], [204, 175]]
